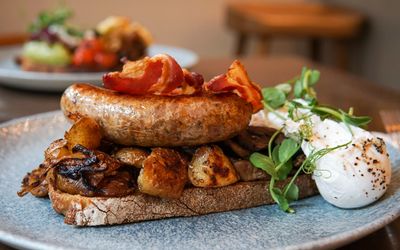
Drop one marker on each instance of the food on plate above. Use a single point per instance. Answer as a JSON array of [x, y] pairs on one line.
[[350, 165], [158, 121], [55, 46], [157, 143], [160, 142]]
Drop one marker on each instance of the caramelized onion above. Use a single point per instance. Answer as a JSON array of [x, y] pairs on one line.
[[118, 185]]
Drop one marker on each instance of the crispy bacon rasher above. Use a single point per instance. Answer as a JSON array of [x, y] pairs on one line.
[[162, 75], [236, 80], [159, 74]]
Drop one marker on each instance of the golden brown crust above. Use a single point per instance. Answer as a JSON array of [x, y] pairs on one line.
[[158, 121], [94, 211], [210, 167], [164, 173]]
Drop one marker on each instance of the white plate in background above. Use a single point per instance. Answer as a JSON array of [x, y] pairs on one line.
[[11, 75]]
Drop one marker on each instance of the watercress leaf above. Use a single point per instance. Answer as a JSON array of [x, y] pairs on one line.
[[278, 197], [314, 77], [326, 111], [277, 191], [275, 155], [322, 114], [285, 87], [303, 73], [285, 169], [298, 89], [287, 149], [292, 192], [358, 121], [306, 79], [274, 97], [263, 162], [47, 18], [291, 108]]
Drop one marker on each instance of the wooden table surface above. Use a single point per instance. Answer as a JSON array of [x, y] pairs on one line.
[[336, 88]]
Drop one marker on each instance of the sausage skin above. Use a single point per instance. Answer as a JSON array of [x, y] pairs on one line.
[[158, 121]]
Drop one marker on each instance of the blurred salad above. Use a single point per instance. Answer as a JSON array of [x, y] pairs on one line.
[[54, 45]]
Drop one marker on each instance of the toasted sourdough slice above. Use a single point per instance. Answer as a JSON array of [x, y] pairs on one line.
[[95, 211]]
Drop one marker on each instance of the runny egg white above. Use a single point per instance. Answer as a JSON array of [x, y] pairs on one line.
[[351, 176]]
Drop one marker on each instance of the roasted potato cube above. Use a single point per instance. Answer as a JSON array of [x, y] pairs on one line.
[[211, 168], [131, 156], [85, 132], [164, 174]]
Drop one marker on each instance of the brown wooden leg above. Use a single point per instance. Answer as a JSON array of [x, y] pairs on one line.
[[263, 45], [341, 54], [315, 48], [241, 44]]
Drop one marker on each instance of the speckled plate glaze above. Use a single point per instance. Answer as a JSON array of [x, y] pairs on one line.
[[31, 223]]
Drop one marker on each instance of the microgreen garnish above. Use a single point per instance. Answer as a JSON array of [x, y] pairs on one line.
[[296, 95], [282, 96], [278, 164], [47, 18], [309, 166]]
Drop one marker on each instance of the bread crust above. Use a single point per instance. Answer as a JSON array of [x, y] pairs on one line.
[[158, 121], [95, 211]]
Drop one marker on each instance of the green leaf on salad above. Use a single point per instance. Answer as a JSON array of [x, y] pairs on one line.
[[298, 89], [285, 87], [287, 149], [263, 162], [358, 121], [314, 77], [292, 192], [274, 97], [278, 197], [304, 104], [47, 18], [275, 154], [284, 167]]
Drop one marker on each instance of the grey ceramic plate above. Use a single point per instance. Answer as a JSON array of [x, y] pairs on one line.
[[31, 223], [12, 75]]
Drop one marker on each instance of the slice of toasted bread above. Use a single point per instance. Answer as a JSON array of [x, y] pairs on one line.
[[94, 211]]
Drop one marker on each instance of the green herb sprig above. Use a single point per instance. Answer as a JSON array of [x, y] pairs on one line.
[[47, 18], [278, 163], [303, 88]]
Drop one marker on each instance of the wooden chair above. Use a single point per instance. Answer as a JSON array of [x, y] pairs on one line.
[[312, 21]]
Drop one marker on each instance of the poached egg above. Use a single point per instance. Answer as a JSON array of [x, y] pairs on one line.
[[350, 176]]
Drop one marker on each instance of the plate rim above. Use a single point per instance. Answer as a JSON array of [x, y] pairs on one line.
[[335, 240]]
